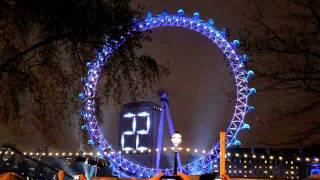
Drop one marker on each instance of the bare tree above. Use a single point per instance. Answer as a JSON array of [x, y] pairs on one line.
[[284, 43]]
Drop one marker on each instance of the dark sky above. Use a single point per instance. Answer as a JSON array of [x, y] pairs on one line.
[[200, 85]]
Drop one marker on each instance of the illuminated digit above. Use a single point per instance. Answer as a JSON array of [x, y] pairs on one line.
[[143, 132], [126, 134]]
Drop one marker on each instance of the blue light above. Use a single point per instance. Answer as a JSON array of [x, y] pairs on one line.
[[223, 32], [196, 15], [84, 127], [251, 109], [83, 114], [315, 169], [244, 58], [245, 126], [211, 22], [91, 142], [250, 74], [164, 13], [237, 143], [236, 43], [240, 74], [252, 91], [82, 96], [149, 15], [181, 12]]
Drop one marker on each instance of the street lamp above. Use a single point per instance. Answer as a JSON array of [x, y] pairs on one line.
[[176, 139]]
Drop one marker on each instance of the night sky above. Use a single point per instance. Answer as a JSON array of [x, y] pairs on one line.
[[200, 85]]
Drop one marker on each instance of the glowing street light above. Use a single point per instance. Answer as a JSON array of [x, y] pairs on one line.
[[176, 140]]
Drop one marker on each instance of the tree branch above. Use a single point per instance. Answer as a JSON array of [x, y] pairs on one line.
[[16, 57]]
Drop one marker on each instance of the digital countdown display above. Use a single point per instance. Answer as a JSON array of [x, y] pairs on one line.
[[135, 131]]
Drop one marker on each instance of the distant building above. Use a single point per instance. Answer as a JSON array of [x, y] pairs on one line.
[[258, 163], [139, 123], [283, 163]]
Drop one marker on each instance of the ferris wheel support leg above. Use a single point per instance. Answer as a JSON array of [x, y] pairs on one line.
[[160, 135], [171, 129]]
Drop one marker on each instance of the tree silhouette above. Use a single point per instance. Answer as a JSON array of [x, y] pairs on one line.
[[283, 41], [44, 46]]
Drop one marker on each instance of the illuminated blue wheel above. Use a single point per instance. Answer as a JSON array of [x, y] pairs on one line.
[[240, 74]]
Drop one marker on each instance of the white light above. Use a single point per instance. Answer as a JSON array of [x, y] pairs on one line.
[[143, 114], [43, 154], [271, 157], [307, 159], [237, 154], [70, 154], [24, 153], [254, 156], [164, 149], [245, 155], [176, 139], [280, 158], [50, 154], [262, 157], [228, 154], [129, 115], [203, 151], [195, 150], [57, 154], [77, 154], [316, 159], [298, 159]]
